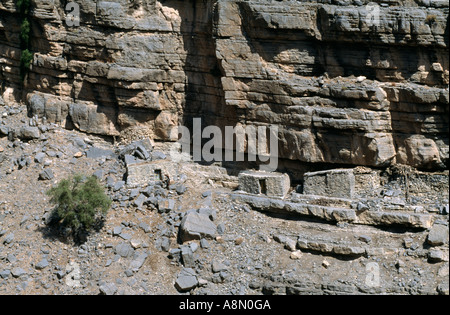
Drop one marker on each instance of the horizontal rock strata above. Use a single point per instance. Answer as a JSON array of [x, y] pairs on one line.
[[346, 82]]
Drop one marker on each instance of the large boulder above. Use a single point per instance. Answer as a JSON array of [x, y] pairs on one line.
[[438, 235], [195, 226]]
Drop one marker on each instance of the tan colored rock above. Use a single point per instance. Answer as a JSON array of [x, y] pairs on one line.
[[139, 69], [265, 183], [296, 255]]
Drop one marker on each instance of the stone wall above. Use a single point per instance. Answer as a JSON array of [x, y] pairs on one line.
[[342, 89]]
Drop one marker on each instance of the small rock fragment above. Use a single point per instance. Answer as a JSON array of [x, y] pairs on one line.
[[296, 254], [186, 280], [108, 289], [46, 174]]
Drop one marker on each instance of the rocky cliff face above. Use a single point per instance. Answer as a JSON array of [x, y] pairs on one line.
[[347, 82]]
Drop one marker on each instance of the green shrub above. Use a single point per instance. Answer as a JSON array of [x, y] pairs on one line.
[[25, 34], [25, 61], [23, 6], [81, 204]]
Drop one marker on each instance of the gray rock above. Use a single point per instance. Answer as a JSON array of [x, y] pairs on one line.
[[129, 159], [165, 244], [110, 181], [134, 193], [143, 145], [348, 250], [42, 264], [108, 289], [280, 238], [18, 272], [39, 157], [438, 235], [141, 152], [140, 200], [23, 161], [186, 280], [193, 246], [187, 256], [60, 274], [196, 226], [137, 262], [51, 153], [118, 185], [145, 227], [437, 255], [217, 266], [204, 243], [94, 153], [98, 174], [166, 205], [225, 275], [125, 236], [148, 191], [80, 143], [365, 238], [333, 183], [157, 155], [117, 230], [129, 273], [290, 244], [37, 104], [29, 133], [180, 189], [175, 253], [124, 249], [8, 238], [210, 212], [408, 242], [4, 130], [4, 274], [46, 174], [221, 228], [266, 183], [216, 278], [11, 258], [43, 129], [206, 193], [362, 206]]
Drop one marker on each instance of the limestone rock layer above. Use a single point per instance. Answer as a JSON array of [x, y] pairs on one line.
[[348, 82]]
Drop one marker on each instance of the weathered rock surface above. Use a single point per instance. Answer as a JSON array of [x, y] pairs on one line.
[[266, 183], [438, 235], [196, 226], [346, 82], [343, 87], [186, 280], [212, 239]]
